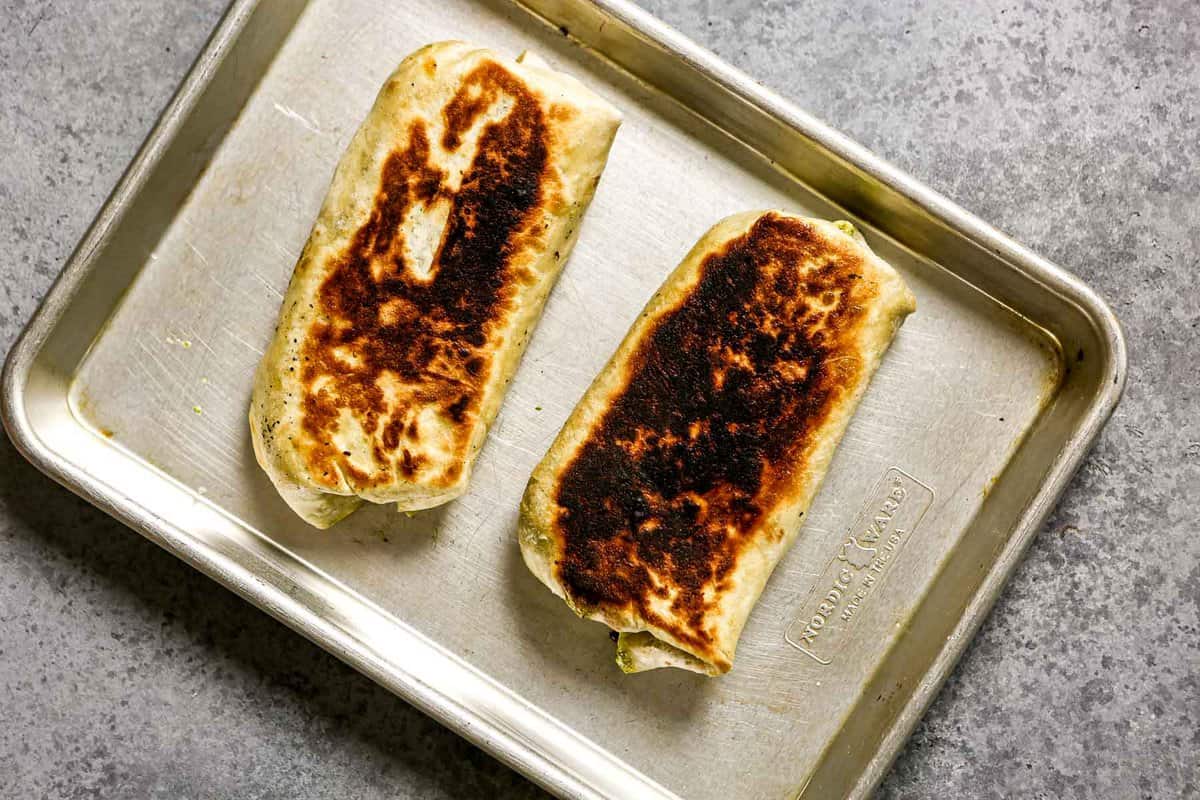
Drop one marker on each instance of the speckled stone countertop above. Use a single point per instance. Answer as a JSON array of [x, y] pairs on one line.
[[1070, 125]]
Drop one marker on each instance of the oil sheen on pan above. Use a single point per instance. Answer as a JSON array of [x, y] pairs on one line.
[[449, 218], [681, 477]]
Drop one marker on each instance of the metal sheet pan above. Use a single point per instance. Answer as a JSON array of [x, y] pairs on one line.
[[131, 385]]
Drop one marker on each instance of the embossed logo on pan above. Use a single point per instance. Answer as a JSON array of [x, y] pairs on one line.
[[864, 560]]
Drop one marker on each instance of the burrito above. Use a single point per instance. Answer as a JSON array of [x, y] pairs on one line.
[[680, 479], [447, 222]]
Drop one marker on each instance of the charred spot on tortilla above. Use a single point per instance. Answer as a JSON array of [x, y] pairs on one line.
[[439, 338], [721, 398]]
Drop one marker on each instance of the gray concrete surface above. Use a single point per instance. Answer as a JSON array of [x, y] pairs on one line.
[[1071, 125]]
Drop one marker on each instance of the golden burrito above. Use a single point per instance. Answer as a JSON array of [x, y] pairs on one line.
[[447, 222], [680, 478]]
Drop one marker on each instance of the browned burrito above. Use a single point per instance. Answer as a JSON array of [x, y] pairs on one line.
[[680, 479], [447, 222]]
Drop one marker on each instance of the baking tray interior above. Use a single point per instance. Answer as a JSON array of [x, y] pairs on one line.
[[136, 396]]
